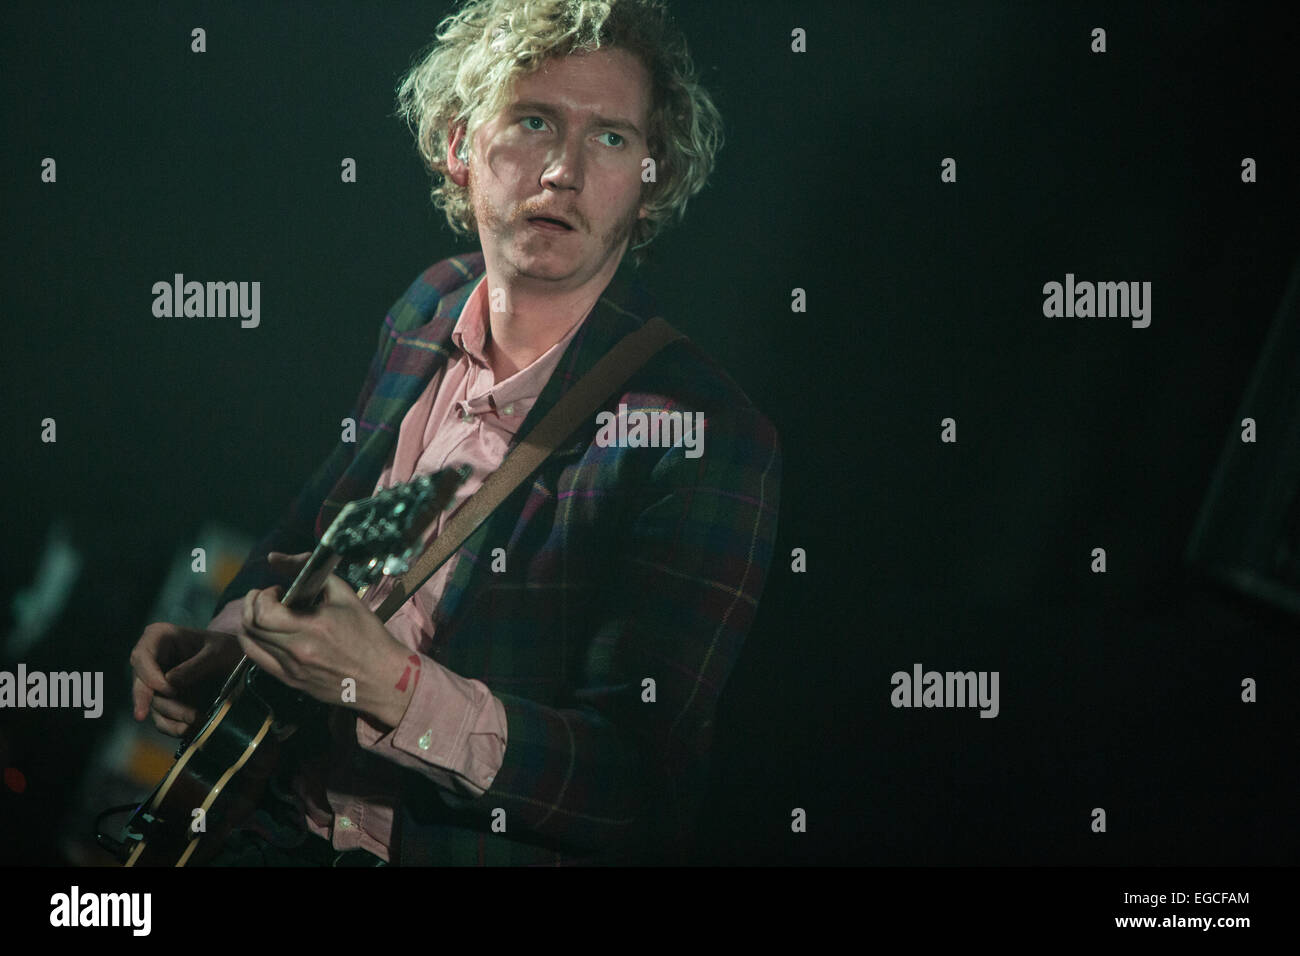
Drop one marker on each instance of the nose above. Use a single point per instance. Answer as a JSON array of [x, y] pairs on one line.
[[563, 168]]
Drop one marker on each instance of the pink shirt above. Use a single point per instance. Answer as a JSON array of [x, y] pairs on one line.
[[454, 730]]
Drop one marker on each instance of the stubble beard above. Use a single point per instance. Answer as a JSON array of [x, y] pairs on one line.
[[613, 238]]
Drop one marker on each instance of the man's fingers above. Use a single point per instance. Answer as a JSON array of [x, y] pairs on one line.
[[279, 557], [141, 695], [287, 565], [266, 655], [173, 710], [172, 728], [203, 664], [264, 612], [145, 665], [187, 672]]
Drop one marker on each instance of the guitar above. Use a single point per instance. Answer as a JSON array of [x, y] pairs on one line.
[[223, 764]]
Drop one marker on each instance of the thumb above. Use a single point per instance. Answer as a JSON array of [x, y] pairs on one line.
[[286, 566], [192, 670]]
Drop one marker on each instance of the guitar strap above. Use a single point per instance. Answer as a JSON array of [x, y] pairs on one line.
[[613, 369]]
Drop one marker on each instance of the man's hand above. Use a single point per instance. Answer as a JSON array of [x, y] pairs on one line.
[[316, 650], [178, 670]]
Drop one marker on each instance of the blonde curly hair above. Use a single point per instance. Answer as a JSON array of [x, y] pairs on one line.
[[466, 77]]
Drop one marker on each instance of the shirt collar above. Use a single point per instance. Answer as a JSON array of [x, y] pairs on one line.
[[470, 335]]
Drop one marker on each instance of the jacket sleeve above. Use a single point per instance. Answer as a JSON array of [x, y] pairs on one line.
[[624, 771]]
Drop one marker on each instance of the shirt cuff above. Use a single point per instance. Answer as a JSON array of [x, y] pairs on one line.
[[453, 732]]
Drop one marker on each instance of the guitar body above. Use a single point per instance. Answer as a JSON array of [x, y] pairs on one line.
[[221, 771]]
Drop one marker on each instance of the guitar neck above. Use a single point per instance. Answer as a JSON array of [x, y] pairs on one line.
[[377, 535], [309, 583]]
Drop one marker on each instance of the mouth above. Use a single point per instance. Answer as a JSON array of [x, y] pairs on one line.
[[550, 222]]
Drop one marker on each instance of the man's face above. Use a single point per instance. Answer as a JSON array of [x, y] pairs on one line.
[[568, 145]]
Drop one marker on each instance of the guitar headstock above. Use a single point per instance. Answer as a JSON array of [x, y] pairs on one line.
[[381, 534]]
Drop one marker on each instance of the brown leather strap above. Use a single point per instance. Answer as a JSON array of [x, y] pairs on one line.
[[613, 369]]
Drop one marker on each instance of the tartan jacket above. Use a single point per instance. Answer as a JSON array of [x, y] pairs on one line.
[[623, 564]]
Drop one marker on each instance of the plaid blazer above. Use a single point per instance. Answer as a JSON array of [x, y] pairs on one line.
[[623, 564]]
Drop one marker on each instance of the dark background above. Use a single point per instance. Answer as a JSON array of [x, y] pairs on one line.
[[1119, 690]]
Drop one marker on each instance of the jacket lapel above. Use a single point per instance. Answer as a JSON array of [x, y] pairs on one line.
[[623, 307]]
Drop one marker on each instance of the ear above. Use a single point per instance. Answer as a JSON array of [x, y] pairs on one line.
[[457, 169]]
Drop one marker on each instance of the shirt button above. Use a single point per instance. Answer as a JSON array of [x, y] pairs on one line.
[[509, 409], [344, 822], [425, 740]]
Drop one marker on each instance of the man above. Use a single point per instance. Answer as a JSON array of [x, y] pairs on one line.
[[548, 696]]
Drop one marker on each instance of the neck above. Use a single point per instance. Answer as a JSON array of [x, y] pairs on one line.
[[539, 316]]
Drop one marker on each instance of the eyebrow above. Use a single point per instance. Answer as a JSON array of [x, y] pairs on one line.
[[545, 109]]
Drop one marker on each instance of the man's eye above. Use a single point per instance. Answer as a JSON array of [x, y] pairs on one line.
[[616, 136], [529, 119]]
